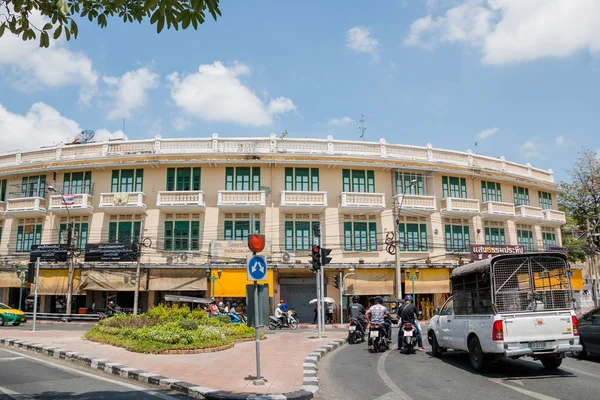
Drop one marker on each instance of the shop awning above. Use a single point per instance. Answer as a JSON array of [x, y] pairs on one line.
[[177, 279], [370, 282], [9, 279], [118, 280], [431, 280], [54, 282], [233, 283]]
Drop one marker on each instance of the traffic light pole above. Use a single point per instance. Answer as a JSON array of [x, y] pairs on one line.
[[258, 381], [35, 296]]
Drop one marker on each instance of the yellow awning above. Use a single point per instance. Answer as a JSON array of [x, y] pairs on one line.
[[577, 279], [431, 280], [9, 279], [54, 282], [177, 279], [119, 280], [233, 283], [370, 282]]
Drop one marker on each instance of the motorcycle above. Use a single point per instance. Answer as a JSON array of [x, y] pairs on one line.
[[275, 322], [356, 332], [107, 314], [294, 315], [378, 338], [409, 338]]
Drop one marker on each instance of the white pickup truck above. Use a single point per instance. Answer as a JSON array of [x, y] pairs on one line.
[[511, 305]]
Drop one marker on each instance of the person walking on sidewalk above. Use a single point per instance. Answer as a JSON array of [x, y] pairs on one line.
[[316, 315], [330, 313]]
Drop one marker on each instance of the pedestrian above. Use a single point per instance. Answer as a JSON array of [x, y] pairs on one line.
[[214, 310], [330, 313], [316, 314]]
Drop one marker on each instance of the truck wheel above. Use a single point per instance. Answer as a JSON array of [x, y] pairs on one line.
[[551, 362], [478, 359], [436, 350], [582, 355]]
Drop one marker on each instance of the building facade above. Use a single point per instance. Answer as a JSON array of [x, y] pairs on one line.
[[192, 203]]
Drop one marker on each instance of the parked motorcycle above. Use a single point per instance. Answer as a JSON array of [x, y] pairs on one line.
[[409, 338], [107, 314], [356, 333], [378, 338], [275, 322]]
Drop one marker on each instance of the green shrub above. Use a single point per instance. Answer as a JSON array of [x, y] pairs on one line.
[[129, 321], [188, 324], [225, 319]]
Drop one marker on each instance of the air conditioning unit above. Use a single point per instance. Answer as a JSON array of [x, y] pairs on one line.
[[288, 257], [180, 258]]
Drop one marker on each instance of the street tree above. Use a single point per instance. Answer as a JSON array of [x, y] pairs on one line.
[[50, 19], [581, 195]]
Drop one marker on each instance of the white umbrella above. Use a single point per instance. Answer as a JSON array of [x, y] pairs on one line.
[[325, 299]]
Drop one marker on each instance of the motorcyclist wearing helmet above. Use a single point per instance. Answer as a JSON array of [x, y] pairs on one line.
[[376, 315], [408, 314], [233, 313], [281, 315], [357, 311], [284, 306]]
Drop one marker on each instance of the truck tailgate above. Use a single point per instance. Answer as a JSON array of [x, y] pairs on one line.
[[539, 326]]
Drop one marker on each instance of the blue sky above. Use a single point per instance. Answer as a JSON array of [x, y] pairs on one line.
[[520, 78]]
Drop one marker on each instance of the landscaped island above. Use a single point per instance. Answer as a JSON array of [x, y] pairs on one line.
[[169, 330]]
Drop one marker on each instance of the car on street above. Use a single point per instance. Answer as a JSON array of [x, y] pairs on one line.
[[9, 315], [589, 333]]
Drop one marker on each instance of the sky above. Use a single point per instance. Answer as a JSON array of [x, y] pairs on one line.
[[512, 78]]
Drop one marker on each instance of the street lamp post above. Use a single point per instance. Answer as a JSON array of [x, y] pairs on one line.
[[396, 235], [412, 278], [342, 286], [21, 275], [69, 248], [213, 279]]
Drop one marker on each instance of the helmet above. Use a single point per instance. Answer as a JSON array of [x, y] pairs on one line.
[[355, 299], [281, 301], [111, 303], [234, 305], [379, 299], [221, 303], [408, 297], [228, 303]]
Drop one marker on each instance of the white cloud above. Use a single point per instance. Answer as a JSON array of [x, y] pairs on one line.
[[33, 67], [340, 121], [42, 125], [560, 140], [180, 123], [359, 40], [129, 92], [215, 93], [514, 31], [531, 149], [484, 134]]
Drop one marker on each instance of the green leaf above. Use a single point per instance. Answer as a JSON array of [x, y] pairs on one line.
[[155, 17], [151, 5], [74, 29], [2, 28], [47, 26], [160, 25], [68, 34], [186, 21], [57, 32], [44, 39]]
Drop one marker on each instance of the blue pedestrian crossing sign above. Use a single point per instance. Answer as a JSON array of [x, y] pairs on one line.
[[257, 268]]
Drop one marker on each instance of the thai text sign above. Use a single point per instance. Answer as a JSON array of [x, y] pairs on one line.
[[482, 251], [49, 252], [233, 251], [111, 252]]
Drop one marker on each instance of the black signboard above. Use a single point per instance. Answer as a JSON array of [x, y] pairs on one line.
[[111, 252], [482, 251], [49, 252]]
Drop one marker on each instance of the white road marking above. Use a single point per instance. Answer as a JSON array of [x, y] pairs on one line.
[[578, 371], [388, 381], [387, 396], [11, 358], [11, 393], [101, 378], [526, 392]]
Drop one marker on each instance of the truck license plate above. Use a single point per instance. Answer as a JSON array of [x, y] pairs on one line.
[[352, 328], [537, 345], [407, 333], [374, 334]]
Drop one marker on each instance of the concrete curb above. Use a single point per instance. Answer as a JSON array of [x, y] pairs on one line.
[[310, 384]]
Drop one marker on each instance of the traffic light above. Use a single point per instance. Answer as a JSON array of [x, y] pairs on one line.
[[316, 258], [336, 281], [324, 256], [256, 243], [30, 277]]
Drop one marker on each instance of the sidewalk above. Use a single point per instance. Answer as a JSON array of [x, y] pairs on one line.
[[282, 358]]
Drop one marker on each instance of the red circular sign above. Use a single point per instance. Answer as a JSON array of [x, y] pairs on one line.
[[256, 243]]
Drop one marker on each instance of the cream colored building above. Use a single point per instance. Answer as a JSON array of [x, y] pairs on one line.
[[193, 200]]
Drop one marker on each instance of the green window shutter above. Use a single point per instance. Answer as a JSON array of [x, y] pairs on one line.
[[242, 230], [402, 242], [314, 179], [346, 187], [302, 179], [228, 230], [289, 178], [229, 178], [499, 192], [76, 183], [195, 228], [257, 226], [348, 236], [315, 240], [255, 178], [38, 234], [114, 185], [423, 232], [83, 235], [412, 233], [502, 237], [67, 183], [399, 183], [20, 238], [463, 188], [484, 196], [3, 190], [540, 200], [112, 232], [526, 196], [181, 236], [87, 182], [372, 236], [62, 231], [24, 188], [445, 187], [359, 182], [466, 239], [360, 236], [139, 180], [124, 232], [371, 181], [42, 188], [488, 236], [289, 235], [183, 179], [196, 178], [126, 180], [242, 178], [420, 184], [137, 227], [448, 233], [170, 179], [0, 234], [168, 235], [302, 235]]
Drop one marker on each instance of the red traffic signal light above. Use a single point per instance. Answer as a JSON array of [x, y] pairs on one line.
[[256, 243]]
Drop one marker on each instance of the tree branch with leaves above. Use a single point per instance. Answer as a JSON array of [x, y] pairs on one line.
[[59, 15]]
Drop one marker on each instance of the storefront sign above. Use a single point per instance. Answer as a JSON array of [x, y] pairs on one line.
[[111, 252], [48, 253], [557, 249], [480, 252], [233, 251]]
